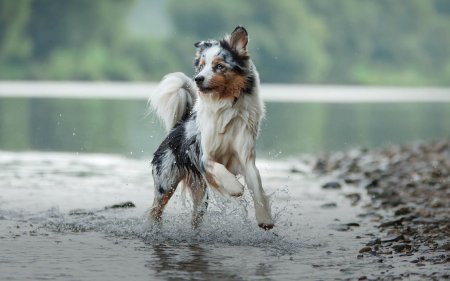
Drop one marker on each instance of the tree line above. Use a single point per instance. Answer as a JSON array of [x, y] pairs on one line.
[[383, 42]]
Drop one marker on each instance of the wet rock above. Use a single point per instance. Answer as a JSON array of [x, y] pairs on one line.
[[344, 226], [391, 223], [354, 197], [374, 242], [403, 211], [437, 203], [340, 227], [372, 184], [392, 238], [445, 246], [332, 185], [352, 180], [365, 250], [401, 248], [330, 205], [127, 204]]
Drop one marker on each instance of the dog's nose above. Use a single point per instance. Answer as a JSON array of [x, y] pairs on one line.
[[199, 79]]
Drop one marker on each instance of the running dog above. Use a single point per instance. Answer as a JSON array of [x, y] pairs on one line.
[[212, 122]]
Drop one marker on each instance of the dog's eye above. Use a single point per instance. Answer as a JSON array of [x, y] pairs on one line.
[[200, 67], [220, 66]]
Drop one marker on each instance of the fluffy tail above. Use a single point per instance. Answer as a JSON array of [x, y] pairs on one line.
[[173, 98]]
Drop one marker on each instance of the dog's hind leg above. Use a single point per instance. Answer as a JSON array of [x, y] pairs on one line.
[[164, 189], [199, 196]]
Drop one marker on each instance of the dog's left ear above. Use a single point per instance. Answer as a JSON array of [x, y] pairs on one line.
[[203, 44], [238, 40]]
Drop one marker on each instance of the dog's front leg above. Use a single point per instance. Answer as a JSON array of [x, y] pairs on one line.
[[260, 199], [219, 177]]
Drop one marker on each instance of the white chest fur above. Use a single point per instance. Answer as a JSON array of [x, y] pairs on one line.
[[228, 130]]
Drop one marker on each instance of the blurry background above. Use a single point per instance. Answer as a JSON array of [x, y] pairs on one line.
[[357, 42]]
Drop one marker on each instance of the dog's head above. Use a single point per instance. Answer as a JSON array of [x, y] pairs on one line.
[[223, 67]]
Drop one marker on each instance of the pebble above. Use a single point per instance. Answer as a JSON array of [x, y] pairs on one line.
[[127, 204], [332, 185], [365, 250], [401, 248], [330, 205]]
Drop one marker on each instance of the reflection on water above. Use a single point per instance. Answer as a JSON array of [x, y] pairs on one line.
[[119, 126]]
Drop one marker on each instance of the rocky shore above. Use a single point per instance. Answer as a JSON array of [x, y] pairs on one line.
[[409, 189]]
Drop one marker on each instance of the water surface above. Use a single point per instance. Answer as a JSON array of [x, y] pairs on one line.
[[54, 225]]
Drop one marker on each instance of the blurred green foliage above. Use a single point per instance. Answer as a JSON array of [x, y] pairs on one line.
[[402, 42]]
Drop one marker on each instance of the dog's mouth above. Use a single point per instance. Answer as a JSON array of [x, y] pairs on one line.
[[204, 89]]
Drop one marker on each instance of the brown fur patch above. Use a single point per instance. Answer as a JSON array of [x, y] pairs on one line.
[[209, 177], [228, 83], [156, 212]]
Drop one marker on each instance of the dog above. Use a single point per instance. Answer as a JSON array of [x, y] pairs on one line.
[[213, 123]]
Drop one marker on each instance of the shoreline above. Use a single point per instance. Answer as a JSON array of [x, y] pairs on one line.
[[409, 189]]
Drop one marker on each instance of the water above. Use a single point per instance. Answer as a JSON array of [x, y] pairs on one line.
[[119, 126], [54, 225]]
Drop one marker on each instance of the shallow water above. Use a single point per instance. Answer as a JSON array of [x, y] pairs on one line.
[[54, 226]]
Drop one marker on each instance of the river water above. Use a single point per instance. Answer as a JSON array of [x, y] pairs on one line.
[[54, 226]]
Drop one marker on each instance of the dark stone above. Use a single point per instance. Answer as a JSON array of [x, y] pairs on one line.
[[127, 204], [401, 248], [392, 223], [374, 242], [332, 185], [372, 184], [365, 250], [403, 211], [392, 238], [328, 205]]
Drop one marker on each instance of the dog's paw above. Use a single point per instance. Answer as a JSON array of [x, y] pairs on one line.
[[266, 226], [233, 186]]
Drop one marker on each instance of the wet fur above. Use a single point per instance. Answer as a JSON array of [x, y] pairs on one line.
[[213, 126]]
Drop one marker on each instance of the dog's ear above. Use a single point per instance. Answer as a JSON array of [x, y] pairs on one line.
[[238, 40], [203, 44]]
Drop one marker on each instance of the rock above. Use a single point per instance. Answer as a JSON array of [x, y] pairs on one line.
[[403, 211], [401, 248], [127, 204], [445, 246], [391, 223], [344, 226], [340, 227], [372, 184], [332, 185], [392, 238], [365, 250], [354, 197], [437, 203], [374, 242], [330, 205]]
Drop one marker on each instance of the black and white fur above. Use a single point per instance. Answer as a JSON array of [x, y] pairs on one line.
[[212, 129]]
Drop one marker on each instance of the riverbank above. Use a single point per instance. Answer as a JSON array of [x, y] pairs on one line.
[[409, 189]]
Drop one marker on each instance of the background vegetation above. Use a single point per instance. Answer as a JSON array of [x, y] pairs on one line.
[[383, 42]]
